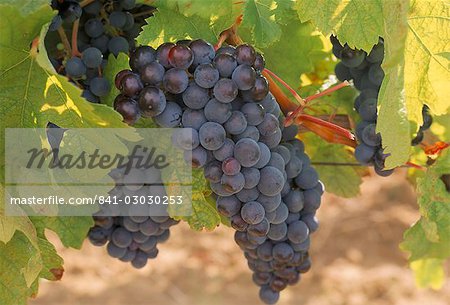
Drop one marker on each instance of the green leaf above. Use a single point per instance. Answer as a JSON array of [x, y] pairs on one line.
[[52, 263], [357, 22], [259, 17], [429, 273], [392, 114], [189, 19], [293, 54], [427, 40], [72, 230], [9, 225], [171, 25], [41, 95], [14, 259], [429, 238], [145, 123], [21, 264], [204, 213], [32, 94], [413, 34], [285, 11], [114, 66], [218, 9], [441, 127], [347, 185]]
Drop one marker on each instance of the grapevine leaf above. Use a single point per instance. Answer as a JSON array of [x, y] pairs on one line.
[[392, 115], [42, 95], [441, 127], [427, 44], [285, 11], [181, 19], [38, 97], [419, 37], [145, 123], [307, 45], [114, 66], [14, 259], [72, 230], [357, 22], [21, 264], [258, 15], [77, 141], [204, 214], [429, 238], [9, 225], [219, 9], [323, 152], [429, 272], [171, 25]]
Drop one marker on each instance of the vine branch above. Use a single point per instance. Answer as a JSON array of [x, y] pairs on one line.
[[64, 39]]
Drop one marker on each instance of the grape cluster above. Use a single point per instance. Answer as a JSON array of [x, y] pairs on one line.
[[367, 75], [105, 27], [133, 238], [233, 129]]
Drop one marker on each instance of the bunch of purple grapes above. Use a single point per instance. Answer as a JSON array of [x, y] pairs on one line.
[[133, 238], [105, 27], [233, 129], [367, 75]]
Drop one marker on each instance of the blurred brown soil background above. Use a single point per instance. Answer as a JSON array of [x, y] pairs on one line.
[[356, 261]]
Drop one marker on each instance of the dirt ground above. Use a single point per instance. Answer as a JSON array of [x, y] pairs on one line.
[[356, 261]]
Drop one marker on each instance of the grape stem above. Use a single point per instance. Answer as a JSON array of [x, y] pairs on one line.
[[407, 165], [290, 118], [336, 164], [416, 166], [327, 91], [111, 30], [64, 39], [285, 103], [86, 2], [326, 130], [230, 35], [100, 71], [149, 12], [295, 94], [75, 51], [435, 148]]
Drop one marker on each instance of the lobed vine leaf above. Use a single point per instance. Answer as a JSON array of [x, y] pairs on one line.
[[428, 241], [349, 176], [308, 46], [171, 25], [258, 16], [14, 262], [72, 230], [427, 44], [203, 214], [429, 272], [357, 22], [392, 115]]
